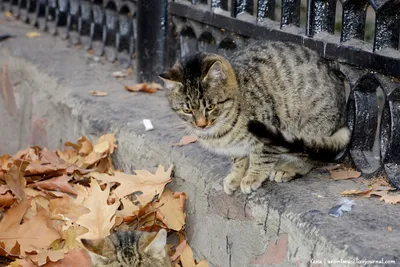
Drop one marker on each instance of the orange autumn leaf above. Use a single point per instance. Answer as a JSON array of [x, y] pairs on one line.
[[144, 87]]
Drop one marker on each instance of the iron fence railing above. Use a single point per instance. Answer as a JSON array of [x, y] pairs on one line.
[[159, 31]]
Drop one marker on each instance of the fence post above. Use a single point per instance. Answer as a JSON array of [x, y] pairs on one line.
[[151, 42]]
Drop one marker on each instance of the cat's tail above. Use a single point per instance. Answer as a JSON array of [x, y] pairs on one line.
[[325, 148]]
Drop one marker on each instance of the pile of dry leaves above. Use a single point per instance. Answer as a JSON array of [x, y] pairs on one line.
[[376, 187], [49, 200]]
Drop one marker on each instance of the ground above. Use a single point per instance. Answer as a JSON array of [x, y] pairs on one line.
[[280, 224]]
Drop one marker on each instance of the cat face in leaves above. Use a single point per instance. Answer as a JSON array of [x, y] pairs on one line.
[[129, 249], [201, 90]]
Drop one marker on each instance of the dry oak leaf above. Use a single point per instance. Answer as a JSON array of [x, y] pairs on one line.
[[186, 140], [390, 198], [105, 145], [144, 87], [179, 250], [4, 189], [172, 210], [97, 93], [111, 139], [16, 182], [144, 184], [6, 200], [129, 209], [41, 258], [187, 259], [355, 192], [39, 169], [33, 235], [65, 208], [5, 161], [345, 174], [60, 184], [101, 217], [73, 258], [50, 157]]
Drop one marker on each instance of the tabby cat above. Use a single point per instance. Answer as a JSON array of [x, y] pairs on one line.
[[129, 249], [269, 107]]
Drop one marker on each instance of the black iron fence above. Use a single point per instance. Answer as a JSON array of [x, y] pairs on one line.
[[156, 32]]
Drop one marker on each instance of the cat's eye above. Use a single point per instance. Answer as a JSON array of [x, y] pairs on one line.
[[210, 107], [187, 110]]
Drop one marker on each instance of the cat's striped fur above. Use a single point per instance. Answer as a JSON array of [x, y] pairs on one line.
[[286, 87], [129, 249]]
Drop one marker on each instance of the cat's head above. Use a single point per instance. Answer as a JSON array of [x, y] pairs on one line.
[[129, 248], [202, 89]]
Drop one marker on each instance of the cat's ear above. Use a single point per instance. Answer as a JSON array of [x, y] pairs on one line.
[[157, 245], [100, 246], [216, 72], [172, 78]]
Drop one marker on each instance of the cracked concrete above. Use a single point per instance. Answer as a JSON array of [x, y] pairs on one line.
[[233, 231]]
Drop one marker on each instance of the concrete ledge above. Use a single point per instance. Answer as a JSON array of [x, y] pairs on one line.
[[281, 224]]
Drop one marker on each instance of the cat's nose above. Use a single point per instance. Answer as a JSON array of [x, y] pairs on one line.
[[201, 122]]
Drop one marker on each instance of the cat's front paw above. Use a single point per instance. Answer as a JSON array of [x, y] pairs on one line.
[[231, 183], [281, 176], [251, 183]]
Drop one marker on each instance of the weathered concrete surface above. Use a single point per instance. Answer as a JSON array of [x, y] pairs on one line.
[[281, 224]]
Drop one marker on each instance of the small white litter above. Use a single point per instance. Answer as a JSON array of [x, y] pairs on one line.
[[345, 205], [148, 125]]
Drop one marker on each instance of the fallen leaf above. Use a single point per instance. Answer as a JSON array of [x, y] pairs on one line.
[[16, 182], [5, 161], [41, 258], [4, 189], [66, 209], [129, 209], [345, 174], [391, 198], [86, 146], [187, 259], [186, 140], [57, 183], [172, 210], [111, 139], [97, 93], [144, 87], [390, 229], [145, 184], [101, 218], [33, 34], [354, 192], [179, 250], [6, 200], [39, 169], [32, 235]]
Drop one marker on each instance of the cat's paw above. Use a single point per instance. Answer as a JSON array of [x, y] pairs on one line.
[[250, 183], [281, 176], [231, 183]]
